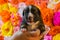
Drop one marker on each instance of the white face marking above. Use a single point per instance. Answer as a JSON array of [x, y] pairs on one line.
[[30, 14], [29, 8]]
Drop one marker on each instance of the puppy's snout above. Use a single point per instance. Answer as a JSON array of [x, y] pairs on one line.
[[30, 18]]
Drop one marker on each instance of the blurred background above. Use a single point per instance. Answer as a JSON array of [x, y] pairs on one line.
[[11, 16]]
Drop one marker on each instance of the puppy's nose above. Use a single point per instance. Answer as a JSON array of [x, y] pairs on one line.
[[30, 18]]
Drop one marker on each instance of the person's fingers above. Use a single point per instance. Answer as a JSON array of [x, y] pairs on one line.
[[35, 33], [23, 30], [35, 25], [38, 32]]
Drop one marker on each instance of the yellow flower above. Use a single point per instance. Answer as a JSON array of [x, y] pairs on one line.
[[7, 29], [56, 37], [5, 6], [12, 8], [55, 0], [0, 8]]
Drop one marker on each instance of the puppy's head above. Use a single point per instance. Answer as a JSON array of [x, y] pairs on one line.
[[31, 14]]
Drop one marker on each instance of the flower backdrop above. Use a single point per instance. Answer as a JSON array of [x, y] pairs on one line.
[[11, 16]]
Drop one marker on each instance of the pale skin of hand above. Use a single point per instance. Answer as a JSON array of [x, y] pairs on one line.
[[35, 25], [29, 35]]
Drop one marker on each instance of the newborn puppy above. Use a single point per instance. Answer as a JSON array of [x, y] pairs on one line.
[[32, 19]]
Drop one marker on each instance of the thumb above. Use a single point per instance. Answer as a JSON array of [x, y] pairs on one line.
[[35, 25]]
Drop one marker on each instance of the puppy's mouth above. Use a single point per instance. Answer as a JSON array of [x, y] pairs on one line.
[[30, 21]]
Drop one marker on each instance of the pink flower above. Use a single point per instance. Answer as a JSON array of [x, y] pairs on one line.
[[47, 37]]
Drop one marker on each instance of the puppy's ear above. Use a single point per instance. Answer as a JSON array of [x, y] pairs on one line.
[[23, 13]]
